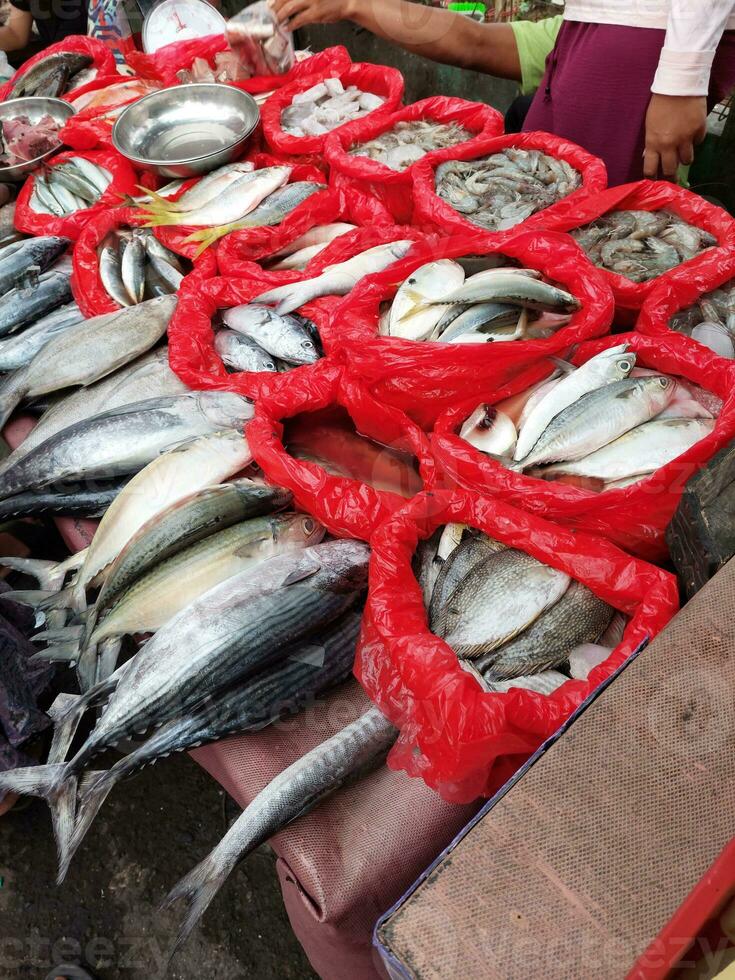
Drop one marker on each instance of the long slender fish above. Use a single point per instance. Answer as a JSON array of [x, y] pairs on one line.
[[33, 253], [25, 304], [19, 349]]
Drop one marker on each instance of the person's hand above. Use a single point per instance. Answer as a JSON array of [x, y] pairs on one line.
[[298, 13], [674, 124]]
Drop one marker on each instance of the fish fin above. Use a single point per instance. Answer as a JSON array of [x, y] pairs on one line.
[[28, 597], [66, 712], [63, 633], [197, 889], [300, 574], [87, 666], [48, 574], [68, 652], [107, 658], [94, 789], [48, 783], [63, 599], [564, 366], [12, 392]]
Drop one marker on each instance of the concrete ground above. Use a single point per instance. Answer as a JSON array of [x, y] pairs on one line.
[[152, 830]]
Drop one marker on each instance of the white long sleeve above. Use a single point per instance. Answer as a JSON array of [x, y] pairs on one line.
[[693, 32]]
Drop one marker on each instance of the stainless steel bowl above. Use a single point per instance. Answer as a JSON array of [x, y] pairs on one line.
[[187, 130], [35, 107]]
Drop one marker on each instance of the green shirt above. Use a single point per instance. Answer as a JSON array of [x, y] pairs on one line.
[[535, 40]]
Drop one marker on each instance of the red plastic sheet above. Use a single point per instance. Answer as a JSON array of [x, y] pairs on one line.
[[241, 248], [634, 517], [649, 195], [378, 79], [459, 739], [124, 182], [332, 59], [424, 379], [394, 187], [91, 296], [162, 65], [91, 127], [102, 59], [431, 209], [347, 507]]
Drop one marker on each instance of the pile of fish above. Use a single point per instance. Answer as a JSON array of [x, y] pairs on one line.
[[22, 140], [511, 620], [256, 338], [438, 303], [297, 255], [54, 75], [641, 245], [78, 183], [408, 142], [711, 320], [601, 426], [325, 106], [501, 190], [135, 266]]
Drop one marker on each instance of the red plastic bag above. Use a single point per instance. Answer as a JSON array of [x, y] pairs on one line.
[[334, 205], [459, 739], [163, 64], [392, 186], [431, 209], [635, 517], [681, 289], [191, 338], [332, 59], [423, 378], [124, 182], [649, 195], [91, 126], [347, 507], [176, 237], [91, 296], [378, 79], [102, 57]]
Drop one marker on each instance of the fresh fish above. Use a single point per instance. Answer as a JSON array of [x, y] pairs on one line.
[[88, 351], [406, 142], [280, 203], [297, 790], [611, 365], [206, 189], [111, 275], [716, 337], [70, 178], [298, 261], [408, 316], [427, 564], [499, 598], [325, 106], [238, 199], [25, 304], [490, 431], [318, 235], [50, 76], [335, 280], [485, 322], [91, 500], [509, 286], [132, 268], [18, 350], [598, 418], [578, 617], [546, 682], [124, 440], [470, 552], [240, 353], [43, 198], [283, 337], [99, 177], [158, 254], [641, 450], [33, 254]]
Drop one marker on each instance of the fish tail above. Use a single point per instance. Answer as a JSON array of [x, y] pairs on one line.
[[12, 392], [197, 889], [48, 574], [93, 791], [48, 783], [208, 236], [157, 200], [87, 666], [29, 597], [107, 658], [60, 652], [66, 712]]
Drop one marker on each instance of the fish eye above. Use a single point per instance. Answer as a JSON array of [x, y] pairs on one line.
[[309, 525], [626, 366], [307, 344], [664, 382]]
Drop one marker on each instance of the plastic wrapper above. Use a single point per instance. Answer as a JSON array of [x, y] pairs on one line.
[[263, 46], [333, 59], [163, 65], [348, 507], [459, 739], [635, 517], [392, 186], [376, 79], [431, 209], [424, 379], [124, 182], [89, 293], [91, 126], [103, 62], [327, 207], [649, 195]]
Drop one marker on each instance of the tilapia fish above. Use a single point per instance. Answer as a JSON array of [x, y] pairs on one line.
[[325, 106], [409, 141], [711, 320], [501, 190], [641, 245]]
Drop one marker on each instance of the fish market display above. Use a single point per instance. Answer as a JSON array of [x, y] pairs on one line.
[[113, 96], [51, 76], [325, 106], [505, 613], [500, 191], [360, 746], [260, 43], [22, 140], [604, 425], [641, 245], [299, 253], [438, 303], [334, 280], [135, 266], [409, 141], [68, 187], [259, 339], [711, 320]]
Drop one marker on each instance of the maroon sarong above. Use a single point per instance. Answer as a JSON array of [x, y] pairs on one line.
[[597, 87]]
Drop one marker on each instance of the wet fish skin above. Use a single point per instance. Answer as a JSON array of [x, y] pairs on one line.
[[31, 253], [578, 617], [17, 350], [35, 80], [282, 336], [298, 789], [23, 305], [274, 208], [87, 501], [111, 275], [471, 551], [427, 564], [132, 268], [240, 353]]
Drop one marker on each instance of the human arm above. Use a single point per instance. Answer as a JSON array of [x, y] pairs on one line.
[[431, 32], [16, 32], [677, 113]]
